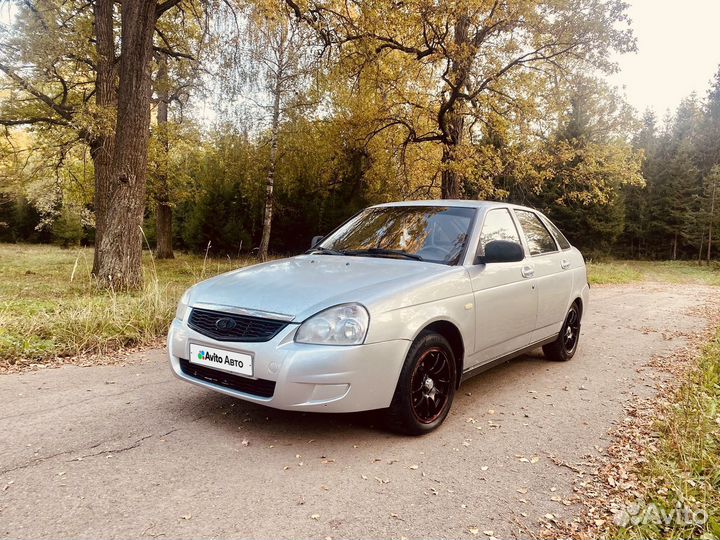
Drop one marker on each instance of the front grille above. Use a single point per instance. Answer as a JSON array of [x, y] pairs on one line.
[[244, 327], [256, 387]]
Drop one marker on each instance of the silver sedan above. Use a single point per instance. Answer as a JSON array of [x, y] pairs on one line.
[[392, 310]]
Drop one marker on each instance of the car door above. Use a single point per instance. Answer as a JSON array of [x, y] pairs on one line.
[[553, 281], [504, 293]]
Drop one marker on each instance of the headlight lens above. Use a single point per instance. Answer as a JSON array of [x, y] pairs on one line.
[[182, 306], [345, 324]]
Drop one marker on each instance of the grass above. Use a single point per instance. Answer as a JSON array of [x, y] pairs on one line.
[[681, 272], [50, 306], [684, 472]]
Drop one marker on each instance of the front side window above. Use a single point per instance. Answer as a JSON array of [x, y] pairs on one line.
[[428, 233], [538, 237], [498, 225]]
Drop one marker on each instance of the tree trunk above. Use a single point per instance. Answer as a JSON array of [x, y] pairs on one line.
[[700, 252], [452, 121], [162, 192], [164, 231], [101, 154], [101, 144], [270, 180], [674, 247], [450, 186], [712, 222], [120, 257]]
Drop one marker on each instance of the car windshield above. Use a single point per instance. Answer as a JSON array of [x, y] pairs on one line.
[[428, 233]]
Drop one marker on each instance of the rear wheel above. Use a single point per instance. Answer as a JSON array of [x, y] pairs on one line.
[[426, 386], [564, 347]]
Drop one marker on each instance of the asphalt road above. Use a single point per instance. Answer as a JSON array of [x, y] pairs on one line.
[[130, 451]]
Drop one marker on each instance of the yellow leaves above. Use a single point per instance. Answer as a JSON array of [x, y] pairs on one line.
[[95, 120]]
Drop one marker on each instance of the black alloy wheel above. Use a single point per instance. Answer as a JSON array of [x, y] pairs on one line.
[[426, 387], [565, 346]]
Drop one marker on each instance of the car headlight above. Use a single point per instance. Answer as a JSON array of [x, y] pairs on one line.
[[345, 324], [182, 306]]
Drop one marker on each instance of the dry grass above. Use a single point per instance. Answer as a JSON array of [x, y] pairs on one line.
[[621, 272], [684, 469], [50, 306]]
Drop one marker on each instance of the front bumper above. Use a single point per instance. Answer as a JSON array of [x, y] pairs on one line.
[[317, 378]]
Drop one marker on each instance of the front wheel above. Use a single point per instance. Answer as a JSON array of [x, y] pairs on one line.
[[564, 347], [426, 386]]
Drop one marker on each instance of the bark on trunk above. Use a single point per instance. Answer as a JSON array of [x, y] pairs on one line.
[[712, 223], [270, 186], [452, 121], [163, 226], [120, 257], [164, 231], [102, 142], [450, 185], [700, 252], [101, 154]]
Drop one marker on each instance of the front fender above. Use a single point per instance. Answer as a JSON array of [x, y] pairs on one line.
[[408, 322]]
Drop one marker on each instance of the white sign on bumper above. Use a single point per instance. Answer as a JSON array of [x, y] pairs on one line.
[[221, 359]]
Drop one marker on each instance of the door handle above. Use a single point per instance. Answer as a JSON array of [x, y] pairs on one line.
[[527, 271], [564, 264]]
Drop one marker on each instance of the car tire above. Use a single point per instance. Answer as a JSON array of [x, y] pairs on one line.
[[566, 344], [426, 386]]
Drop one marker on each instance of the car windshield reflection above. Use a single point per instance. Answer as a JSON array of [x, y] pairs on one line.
[[425, 233]]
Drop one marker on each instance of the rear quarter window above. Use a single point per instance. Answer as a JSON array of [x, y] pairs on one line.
[[559, 236], [539, 239]]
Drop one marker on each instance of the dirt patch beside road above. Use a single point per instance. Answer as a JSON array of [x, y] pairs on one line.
[[129, 451]]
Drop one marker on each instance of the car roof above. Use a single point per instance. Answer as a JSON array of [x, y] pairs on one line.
[[455, 203]]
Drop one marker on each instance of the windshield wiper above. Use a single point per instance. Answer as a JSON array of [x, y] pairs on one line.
[[324, 251], [383, 251]]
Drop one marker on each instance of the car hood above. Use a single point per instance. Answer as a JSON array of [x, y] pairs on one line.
[[301, 286]]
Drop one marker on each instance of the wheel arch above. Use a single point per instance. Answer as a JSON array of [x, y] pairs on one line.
[[452, 333], [578, 300]]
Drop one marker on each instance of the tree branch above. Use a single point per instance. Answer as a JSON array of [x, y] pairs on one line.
[[173, 54], [165, 6], [29, 121], [29, 88]]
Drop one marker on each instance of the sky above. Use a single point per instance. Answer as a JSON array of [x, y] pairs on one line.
[[678, 52]]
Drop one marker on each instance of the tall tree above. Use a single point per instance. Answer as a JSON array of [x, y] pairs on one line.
[[461, 60], [162, 187], [589, 164], [76, 82], [674, 184], [268, 81], [277, 51], [636, 196]]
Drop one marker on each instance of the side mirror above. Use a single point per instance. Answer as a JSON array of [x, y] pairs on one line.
[[315, 241], [497, 251]]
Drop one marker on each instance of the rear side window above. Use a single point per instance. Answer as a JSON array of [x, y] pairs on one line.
[[498, 225], [560, 237], [538, 237]]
